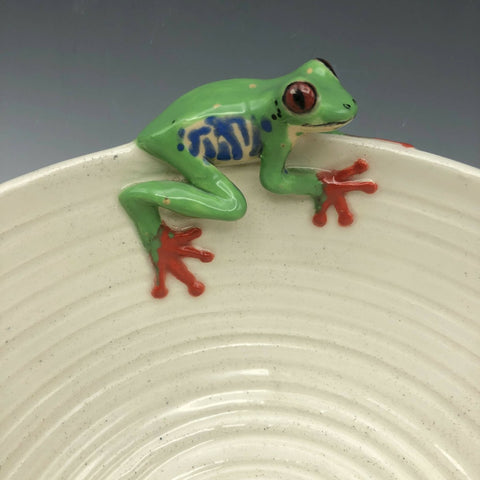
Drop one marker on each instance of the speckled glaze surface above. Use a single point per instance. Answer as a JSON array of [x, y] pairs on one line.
[[314, 353]]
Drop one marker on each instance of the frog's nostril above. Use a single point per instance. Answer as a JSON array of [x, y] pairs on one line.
[[347, 106]]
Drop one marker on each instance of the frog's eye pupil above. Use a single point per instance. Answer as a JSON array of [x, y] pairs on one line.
[[300, 97]]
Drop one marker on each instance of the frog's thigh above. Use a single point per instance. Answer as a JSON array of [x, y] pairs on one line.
[[209, 195]]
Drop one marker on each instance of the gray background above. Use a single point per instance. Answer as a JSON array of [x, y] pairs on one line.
[[83, 75]]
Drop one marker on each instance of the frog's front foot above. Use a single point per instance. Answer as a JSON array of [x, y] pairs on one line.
[[336, 184], [166, 252]]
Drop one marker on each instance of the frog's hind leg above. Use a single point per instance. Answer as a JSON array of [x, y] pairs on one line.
[[219, 199], [212, 196]]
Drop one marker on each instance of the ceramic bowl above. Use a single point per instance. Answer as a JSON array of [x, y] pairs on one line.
[[332, 352]]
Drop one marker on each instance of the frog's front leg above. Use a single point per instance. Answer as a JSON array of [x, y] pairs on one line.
[[208, 195], [276, 178], [327, 187]]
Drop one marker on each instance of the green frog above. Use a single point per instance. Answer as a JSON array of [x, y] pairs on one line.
[[233, 122]]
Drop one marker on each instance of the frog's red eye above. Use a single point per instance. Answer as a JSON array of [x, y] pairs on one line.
[[300, 97]]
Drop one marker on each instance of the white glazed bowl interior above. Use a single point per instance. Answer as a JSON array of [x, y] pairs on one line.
[[314, 352]]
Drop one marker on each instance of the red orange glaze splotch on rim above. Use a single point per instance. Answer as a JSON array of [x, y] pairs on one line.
[[403, 144]]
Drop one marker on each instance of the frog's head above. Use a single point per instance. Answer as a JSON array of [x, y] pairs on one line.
[[312, 97]]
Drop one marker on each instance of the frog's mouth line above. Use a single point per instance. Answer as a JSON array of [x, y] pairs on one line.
[[326, 125]]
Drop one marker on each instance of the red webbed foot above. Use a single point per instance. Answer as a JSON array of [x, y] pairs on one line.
[[337, 183], [173, 245]]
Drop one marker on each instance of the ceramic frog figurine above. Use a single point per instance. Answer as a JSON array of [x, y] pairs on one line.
[[237, 121]]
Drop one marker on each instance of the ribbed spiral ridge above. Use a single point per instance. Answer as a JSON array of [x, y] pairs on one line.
[[334, 353]]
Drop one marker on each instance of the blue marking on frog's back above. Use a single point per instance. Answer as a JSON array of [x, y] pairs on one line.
[[223, 138]]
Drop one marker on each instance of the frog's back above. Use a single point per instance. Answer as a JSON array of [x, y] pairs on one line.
[[215, 122], [225, 97]]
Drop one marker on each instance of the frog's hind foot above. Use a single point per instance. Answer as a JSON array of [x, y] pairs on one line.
[[337, 184], [166, 253]]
